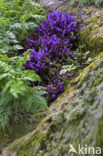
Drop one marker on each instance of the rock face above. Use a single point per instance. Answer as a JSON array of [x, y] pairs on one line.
[[92, 36], [76, 117], [51, 5]]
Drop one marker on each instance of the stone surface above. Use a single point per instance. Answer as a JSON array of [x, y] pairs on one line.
[[51, 5]]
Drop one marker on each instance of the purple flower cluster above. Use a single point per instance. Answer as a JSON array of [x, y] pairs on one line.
[[51, 43], [36, 60], [55, 89], [52, 39]]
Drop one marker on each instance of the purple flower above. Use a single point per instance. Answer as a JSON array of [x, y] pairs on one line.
[[55, 89], [51, 45], [36, 61]]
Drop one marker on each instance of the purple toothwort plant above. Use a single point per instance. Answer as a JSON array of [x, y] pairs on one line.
[[55, 89], [51, 43], [36, 60], [53, 38]]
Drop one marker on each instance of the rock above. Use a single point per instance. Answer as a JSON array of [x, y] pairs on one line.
[[92, 36], [51, 5], [74, 118], [27, 124]]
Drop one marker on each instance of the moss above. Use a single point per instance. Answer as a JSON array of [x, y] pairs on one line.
[[91, 26], [3, 139], [83, 76], [32, 139], [19, 129], [92, 36]]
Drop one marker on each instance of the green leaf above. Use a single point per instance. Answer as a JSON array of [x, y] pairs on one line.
[[18, 88], [30, 75], [17, 47], [4, 75], [16, 26], [11, 35], [68, 68], [6, 87]]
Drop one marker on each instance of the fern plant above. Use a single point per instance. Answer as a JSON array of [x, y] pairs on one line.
[[16, 95], [18, 19]]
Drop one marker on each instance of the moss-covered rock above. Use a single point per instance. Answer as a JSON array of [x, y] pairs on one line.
[[74, 118], [91, 26], [25, 125], [92, 36]]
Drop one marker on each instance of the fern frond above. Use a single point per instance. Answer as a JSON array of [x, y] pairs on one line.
[[36, 100]]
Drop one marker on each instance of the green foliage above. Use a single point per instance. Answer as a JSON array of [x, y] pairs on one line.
[[83, 2], [16, 95], [18, 18], [68, 68], [81, 58], [80, 53]]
